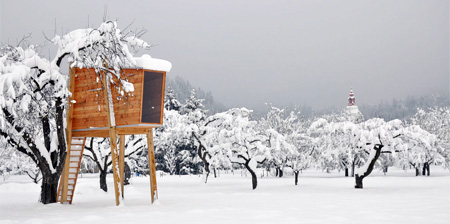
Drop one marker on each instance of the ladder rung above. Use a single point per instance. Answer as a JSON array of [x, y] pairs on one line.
[[76, 147], [74, 159], [75, 153], [77, 141]]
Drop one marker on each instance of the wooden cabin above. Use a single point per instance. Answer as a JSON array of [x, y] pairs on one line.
[[133, 111], [100, 107]]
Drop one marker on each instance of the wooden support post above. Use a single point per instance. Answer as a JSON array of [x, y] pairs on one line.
[[151, 166], [69, 116], [112, 135], [122, 162]]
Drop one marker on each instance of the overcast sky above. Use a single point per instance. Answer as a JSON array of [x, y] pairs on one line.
[[248, 53]]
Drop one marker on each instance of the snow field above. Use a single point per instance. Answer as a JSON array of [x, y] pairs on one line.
[[398, 197]]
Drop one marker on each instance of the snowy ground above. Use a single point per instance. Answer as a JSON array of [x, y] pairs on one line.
[[398, 197]]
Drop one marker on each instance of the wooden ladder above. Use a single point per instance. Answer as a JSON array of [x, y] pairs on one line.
[[75, 151]]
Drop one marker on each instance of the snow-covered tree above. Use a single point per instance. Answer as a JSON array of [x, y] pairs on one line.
[[305, 156], [279, 126], [335, 145], [13, 162], [436, 120], [170, 138], [422, 149], [208, 140], [194, 104], [196, 115], [32, 99], [377, 136], [170, 100], [244, 144], [374, 136]]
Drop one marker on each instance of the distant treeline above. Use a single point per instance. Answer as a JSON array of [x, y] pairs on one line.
[[182, 88], [403, 108], [388, 110]]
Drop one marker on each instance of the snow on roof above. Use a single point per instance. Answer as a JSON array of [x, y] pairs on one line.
[[147, 62]]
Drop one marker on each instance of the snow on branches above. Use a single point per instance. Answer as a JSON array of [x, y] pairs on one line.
[[32, 96], [105, 49]]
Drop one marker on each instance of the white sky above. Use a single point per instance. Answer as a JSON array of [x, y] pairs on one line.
[[284, 52]]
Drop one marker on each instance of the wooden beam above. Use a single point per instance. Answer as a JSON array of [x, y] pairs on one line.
[[151, 166], [69, 116], [122, 162], [94, 133], [112, 136], [133, 130]]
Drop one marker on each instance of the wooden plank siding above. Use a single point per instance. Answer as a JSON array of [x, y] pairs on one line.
[[89, 109]]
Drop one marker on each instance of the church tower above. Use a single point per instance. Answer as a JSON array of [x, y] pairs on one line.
[[352, 112], [351, 98]]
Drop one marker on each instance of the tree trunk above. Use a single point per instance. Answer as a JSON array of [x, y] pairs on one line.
[[372, 160], [281, 172], [359, 181], [202, 153], [127, 174], [276, 172], [49, 188], [385, 169], [426, 169], [206, 173], [215, 174], [254, 178], [296, 176], [103, 185], [417, 171], [346, 171]]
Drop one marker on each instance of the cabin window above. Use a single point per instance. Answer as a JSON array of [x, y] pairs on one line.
[[152, 95]]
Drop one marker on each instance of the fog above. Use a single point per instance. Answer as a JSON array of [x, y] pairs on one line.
[[248, 53]]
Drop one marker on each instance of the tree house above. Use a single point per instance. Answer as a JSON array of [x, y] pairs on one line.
[[100, 106]]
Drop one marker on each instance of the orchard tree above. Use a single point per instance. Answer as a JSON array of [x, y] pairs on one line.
[[333, 142], [279, 126], [422, 149], [13, 162], [196, 115], [374, 136], [305, 156], [170, 138], [32, 99], [436, 120], [244, 144], [377, 136]]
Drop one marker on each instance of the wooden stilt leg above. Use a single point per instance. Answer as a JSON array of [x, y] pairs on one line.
[[115, 162], [122, 162], [151, 166], [112, 136]]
